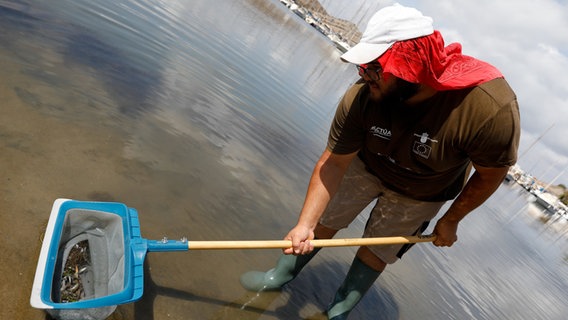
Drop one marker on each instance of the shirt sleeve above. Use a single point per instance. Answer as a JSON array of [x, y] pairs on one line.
[[347, 132], [497, 142]]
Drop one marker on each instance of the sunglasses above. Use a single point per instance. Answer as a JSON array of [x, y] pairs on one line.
[[373, 73]]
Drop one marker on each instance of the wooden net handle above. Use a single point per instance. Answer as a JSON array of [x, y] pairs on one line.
[[318, 243]]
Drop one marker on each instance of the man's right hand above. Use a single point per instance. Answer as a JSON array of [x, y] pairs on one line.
[[324, 182], [300, 237]]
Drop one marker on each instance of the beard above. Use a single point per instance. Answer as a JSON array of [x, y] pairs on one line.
[[398, 91], [405, 89]]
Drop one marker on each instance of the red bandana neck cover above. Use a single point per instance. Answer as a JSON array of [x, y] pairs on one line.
[[426, 60]]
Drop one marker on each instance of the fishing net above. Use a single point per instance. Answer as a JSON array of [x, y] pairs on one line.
[[90, 262]]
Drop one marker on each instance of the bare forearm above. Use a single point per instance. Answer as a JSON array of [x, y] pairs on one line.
[[478, 189], [325, 180]]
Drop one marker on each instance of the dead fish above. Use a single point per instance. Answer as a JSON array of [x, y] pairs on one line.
[[75, 287]]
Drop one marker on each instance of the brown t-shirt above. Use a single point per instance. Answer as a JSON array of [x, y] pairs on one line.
[[425, 151]]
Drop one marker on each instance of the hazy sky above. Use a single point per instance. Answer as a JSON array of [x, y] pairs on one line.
[[528, 41]]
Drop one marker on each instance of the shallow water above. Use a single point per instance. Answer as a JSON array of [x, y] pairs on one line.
[[207, 118]]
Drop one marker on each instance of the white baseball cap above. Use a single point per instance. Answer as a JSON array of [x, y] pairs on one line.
[[387, 26]]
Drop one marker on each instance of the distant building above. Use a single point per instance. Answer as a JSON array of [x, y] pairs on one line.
[[347, 31]]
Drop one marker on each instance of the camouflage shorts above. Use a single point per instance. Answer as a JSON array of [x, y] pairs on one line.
[[393, 214]]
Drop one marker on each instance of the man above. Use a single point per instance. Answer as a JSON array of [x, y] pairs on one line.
[[407, 134]]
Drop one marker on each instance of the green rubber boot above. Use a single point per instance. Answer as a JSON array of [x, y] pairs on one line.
[[287, 268], [358, 280]]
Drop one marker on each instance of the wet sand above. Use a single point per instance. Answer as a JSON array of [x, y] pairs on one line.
[[49, 152], [42, 158]]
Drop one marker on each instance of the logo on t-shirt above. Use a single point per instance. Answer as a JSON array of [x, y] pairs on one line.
[[381, 132], [420, 147]]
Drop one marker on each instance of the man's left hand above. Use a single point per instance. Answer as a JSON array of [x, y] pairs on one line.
[[446, 233]]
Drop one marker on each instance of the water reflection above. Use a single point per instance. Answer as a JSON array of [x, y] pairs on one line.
[[128, 85]]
